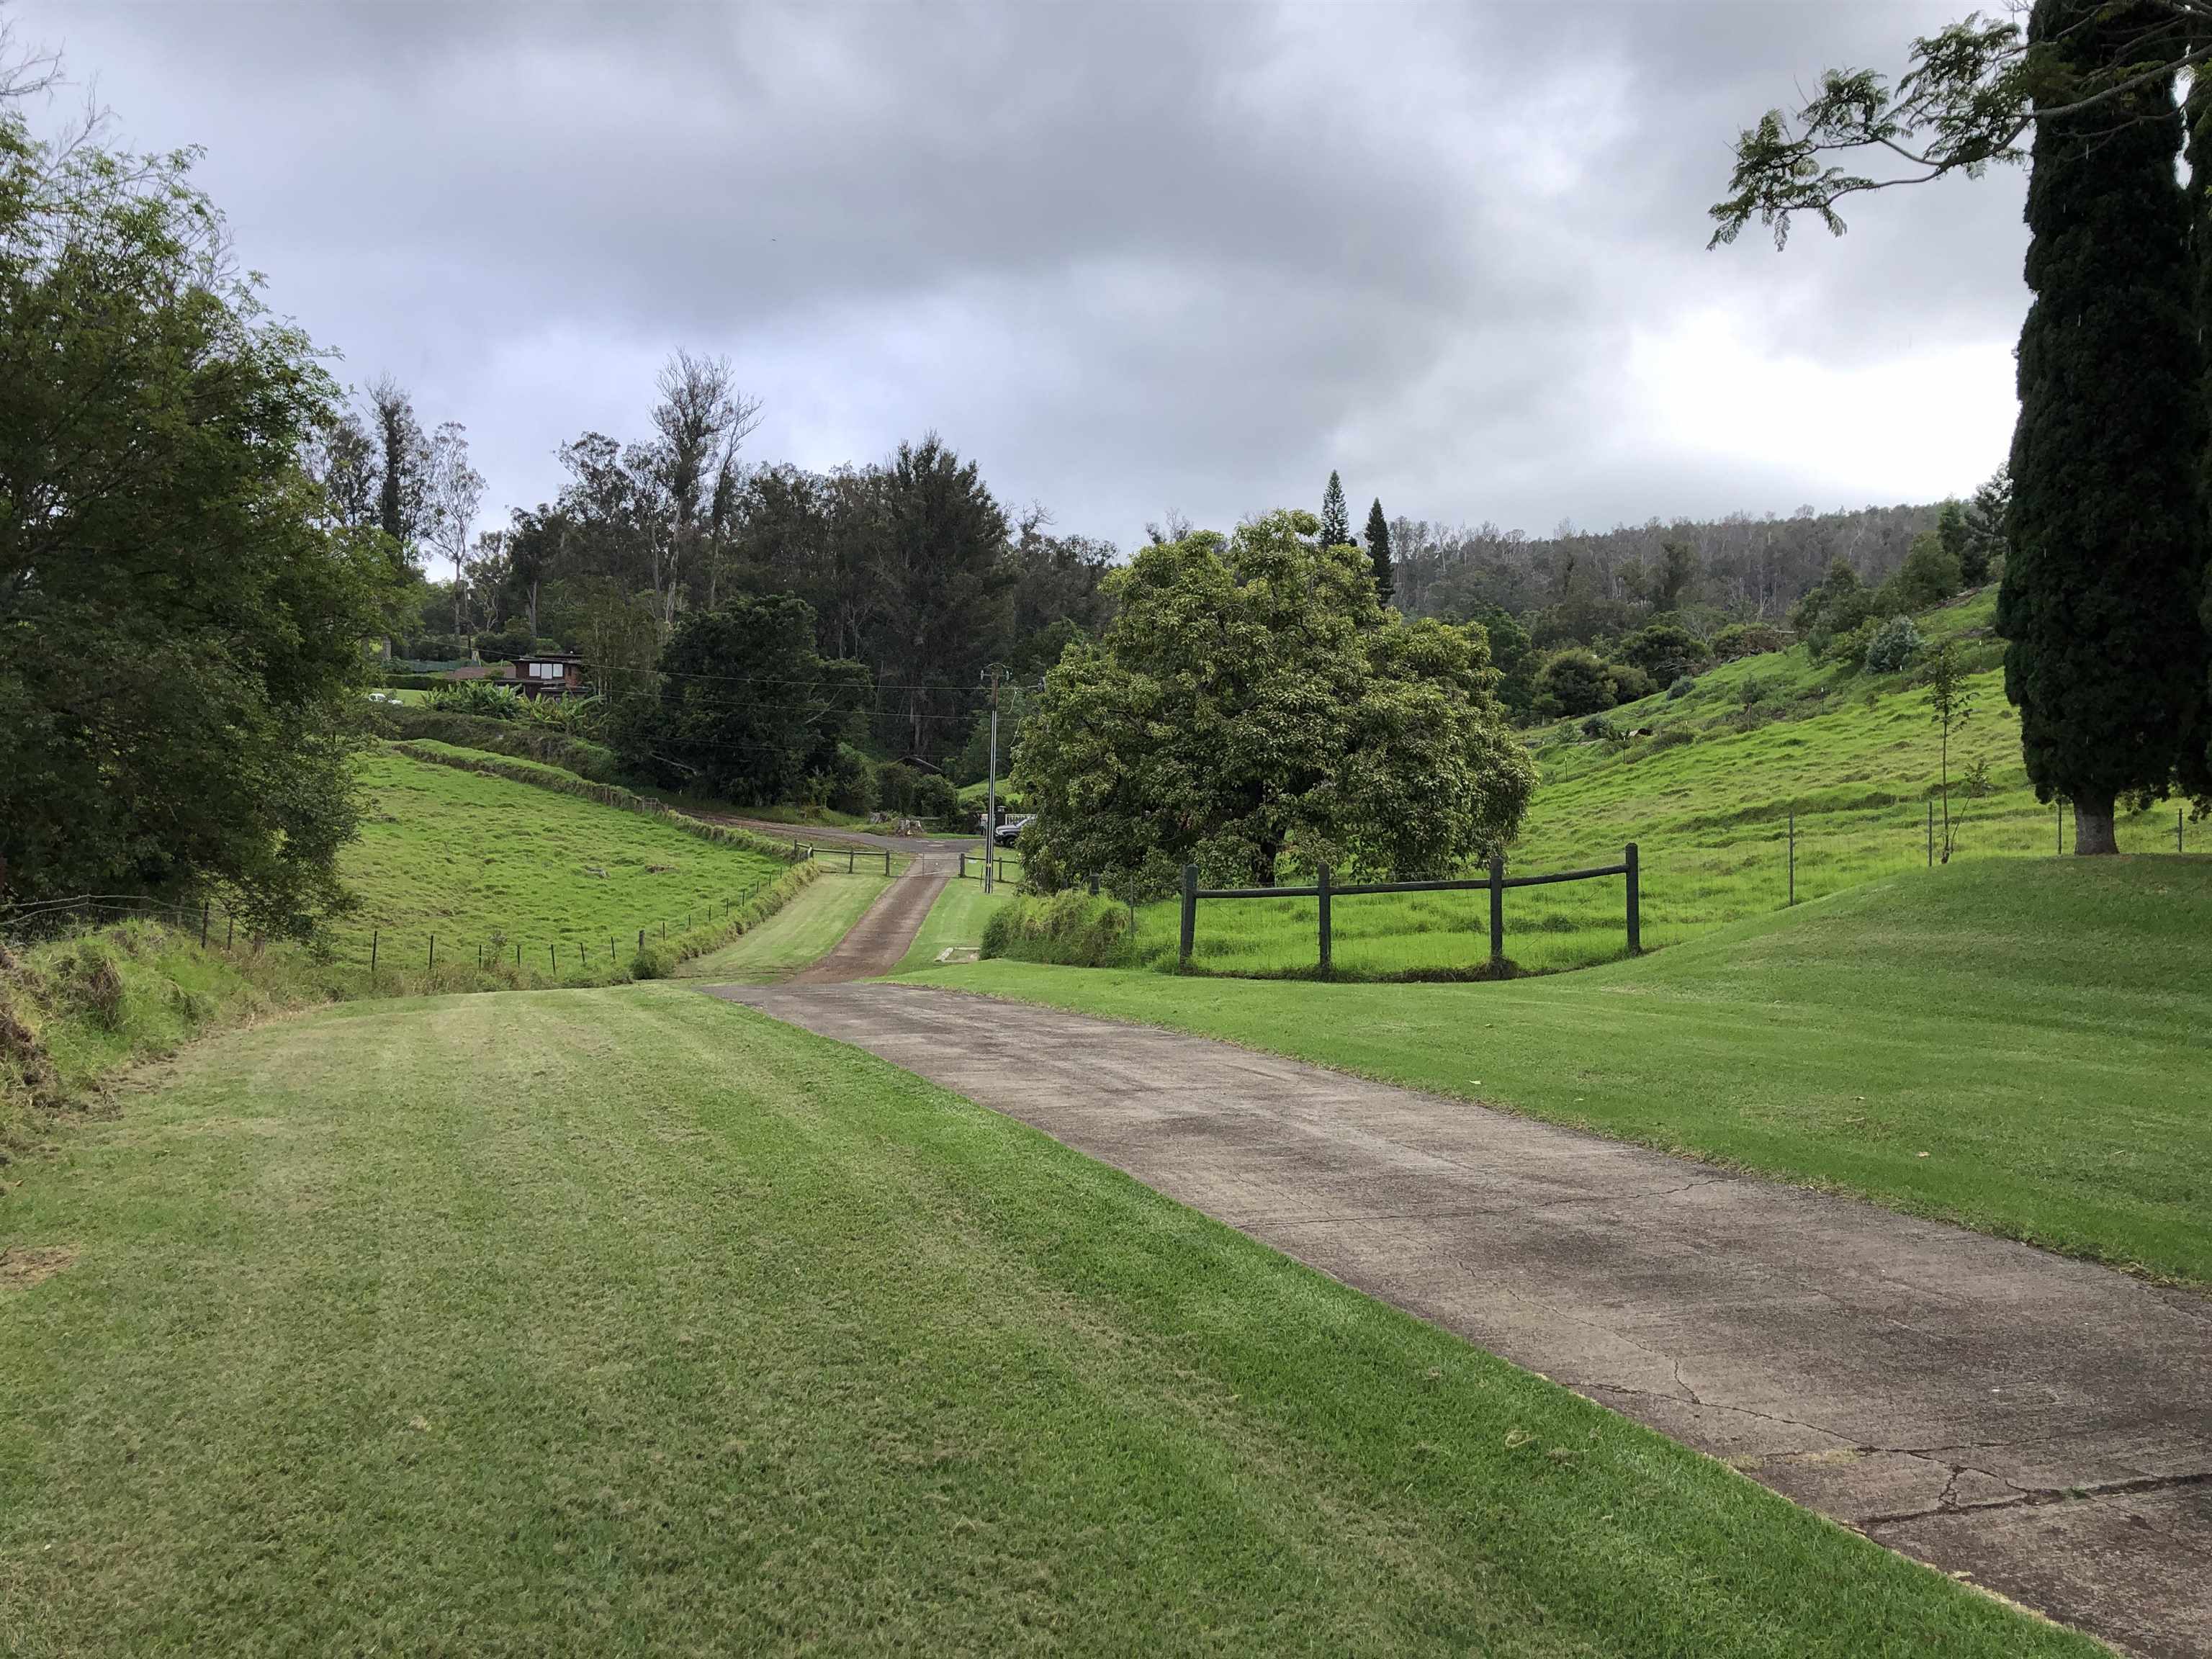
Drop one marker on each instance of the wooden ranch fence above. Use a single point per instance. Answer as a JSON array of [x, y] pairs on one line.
[[1494, 883]]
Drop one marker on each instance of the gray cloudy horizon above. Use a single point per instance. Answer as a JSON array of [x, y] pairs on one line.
[[1131, 258]]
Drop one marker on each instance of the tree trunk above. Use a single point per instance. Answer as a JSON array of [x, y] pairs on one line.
[[2093, 829]]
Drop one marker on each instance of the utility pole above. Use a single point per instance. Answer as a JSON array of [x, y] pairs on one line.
[[991, 790]]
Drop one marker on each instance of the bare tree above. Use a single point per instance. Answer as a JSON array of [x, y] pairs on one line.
[[702, 420], [454, 490]]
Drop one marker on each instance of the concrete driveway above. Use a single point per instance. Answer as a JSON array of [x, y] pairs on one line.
[[2040, 1424]]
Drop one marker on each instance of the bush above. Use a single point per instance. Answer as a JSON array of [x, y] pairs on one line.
[[1664, 651], [1600, 728], [1070, 928], [934, 797], [853, 785], [1680, 688], [507, 644], [1749, 640], [1630, 682], [1574, 682], [482, 699], [1848, 650], [1893, 646]]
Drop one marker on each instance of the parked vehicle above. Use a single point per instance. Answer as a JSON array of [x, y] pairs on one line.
[[1010, 830]]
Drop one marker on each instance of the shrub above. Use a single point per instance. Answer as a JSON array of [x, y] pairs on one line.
[[1574, 682], [1070, 928], [1600, 728], [1749, 640], [1673, 737], [1630, 682], [1848, 650], [1664, 651], [1893, 646], [897, 782], [481, 698], [853, 785], [1752, 692], [1680, 688], [934, 797], [507, 644]]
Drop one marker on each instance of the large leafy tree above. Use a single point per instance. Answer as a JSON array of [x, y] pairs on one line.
[[182, 620], [745, 709], [1251, 699], [2105, 654], [945, 588]]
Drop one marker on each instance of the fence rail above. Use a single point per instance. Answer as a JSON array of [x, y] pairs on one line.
[[1494, 882]]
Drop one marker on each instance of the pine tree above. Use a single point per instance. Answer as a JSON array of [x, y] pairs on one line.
[[1336, 522], [1378, 551], [2106, 655]]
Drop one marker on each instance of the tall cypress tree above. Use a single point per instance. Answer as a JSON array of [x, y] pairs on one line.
[[1378, 551], [1336, 522], [2106, 656]]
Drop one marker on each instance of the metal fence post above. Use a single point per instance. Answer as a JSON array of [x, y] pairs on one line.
[[434, 953], [1189, 910], [1793, 855], [1498, 913], [373, 936], [1323, 884], [1931, 835], [1635, 901]]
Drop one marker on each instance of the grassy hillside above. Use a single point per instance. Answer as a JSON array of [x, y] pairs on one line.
[[2022, 1046], [628, 1321], [484, 862], [1707, 797]]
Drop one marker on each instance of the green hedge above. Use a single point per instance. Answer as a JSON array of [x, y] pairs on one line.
[[1073, 929], [542, 744]]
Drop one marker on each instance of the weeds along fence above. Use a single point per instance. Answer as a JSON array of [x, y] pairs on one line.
[[1494, 882], [640, 950]]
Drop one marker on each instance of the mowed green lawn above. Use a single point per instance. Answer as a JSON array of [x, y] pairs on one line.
[[2024, 1046], [626, 1322], [1854, 755], [487, 862], [955, 922], [798, 935]]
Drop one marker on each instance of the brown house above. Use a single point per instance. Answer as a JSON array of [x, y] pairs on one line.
[[558, 674]]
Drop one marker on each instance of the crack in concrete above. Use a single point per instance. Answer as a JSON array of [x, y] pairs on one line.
[[2031, 1496]]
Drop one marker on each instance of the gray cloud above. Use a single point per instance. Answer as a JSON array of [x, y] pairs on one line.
[[1129, 257]]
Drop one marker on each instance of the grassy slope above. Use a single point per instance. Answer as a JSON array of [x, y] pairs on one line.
[[2040, 1029], [626, 1320], [955, 922], [801, 933], [1856, 757], [476, 858]]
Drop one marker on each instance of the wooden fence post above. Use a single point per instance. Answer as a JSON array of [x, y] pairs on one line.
[[1094, 887], [1323, 883], [887, 860], [1931, 835], [1189, 910], [850, 854], [434, 953], [204, 922], [640, 941], [963, 866], [1793, 855], [1634, 902], [1498, 915], [373, 935]]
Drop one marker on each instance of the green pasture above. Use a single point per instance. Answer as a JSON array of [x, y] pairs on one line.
[[2021, 1046], [486, 862], [627, 1321]]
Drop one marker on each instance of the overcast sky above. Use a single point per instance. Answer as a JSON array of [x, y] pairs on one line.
[[1129, 258]]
